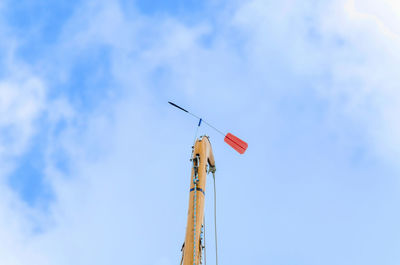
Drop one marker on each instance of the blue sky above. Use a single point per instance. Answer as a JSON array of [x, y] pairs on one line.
[[95, 163]]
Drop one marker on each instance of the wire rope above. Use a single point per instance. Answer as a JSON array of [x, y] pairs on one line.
[[215, 220]]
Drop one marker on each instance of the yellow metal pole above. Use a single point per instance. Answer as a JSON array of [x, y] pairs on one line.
[[202, 156]]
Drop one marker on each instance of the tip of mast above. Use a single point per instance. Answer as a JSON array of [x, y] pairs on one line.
[[204, 136]]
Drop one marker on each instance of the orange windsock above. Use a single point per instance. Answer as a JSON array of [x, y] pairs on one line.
[[236, 143]]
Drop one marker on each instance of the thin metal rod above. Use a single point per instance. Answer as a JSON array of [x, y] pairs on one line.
[[207, 123], [173, 104], [214, 128]]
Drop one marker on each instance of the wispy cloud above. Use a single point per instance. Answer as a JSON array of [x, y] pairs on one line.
[[296, 78]]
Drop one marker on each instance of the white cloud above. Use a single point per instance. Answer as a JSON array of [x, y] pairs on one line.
[[21, 102], [349, 50], [385, 14], [103, 207]]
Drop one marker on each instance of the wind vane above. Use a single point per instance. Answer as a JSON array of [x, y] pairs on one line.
[[239, 145]]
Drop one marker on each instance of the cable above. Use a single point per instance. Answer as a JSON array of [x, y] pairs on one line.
[[215, 220], [204, 235], [196, 164], [197, 131], [195, 138]]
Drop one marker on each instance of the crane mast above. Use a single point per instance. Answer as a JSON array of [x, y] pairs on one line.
[[202, 158]]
